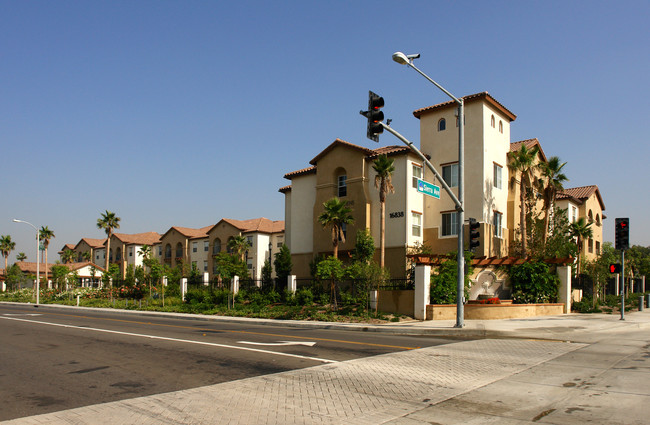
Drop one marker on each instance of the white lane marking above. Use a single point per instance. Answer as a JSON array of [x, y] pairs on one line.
[[22, 314], [307, 343], [257, 350]]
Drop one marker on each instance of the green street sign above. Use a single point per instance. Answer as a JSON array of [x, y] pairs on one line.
[[429, 189]]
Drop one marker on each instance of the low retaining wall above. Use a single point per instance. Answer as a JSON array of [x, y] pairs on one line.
[[493, 311], [398, 301]]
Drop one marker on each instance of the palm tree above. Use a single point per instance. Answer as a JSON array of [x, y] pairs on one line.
[[523, 162], [581, 230], [21, 256], [108, 222], [239, 245], [336, 214], [6, 246], [145, 252], [384, 168], [45, 235], [67, 256], [550, 184], [86, 256]]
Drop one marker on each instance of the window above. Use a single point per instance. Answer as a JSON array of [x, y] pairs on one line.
[[249, 239], [591, 246], [492, 121], [130, 252], [195, 246], [168, 251], [179, 250], [416, 226], [500, 126], [205, 266], [574, 216], [417, 174], [206, 246], [216, 247], [597, 247], [449, 224], [342, 186], [497, 223], [450, 174], [498, 180], [442, 124], [160, 251]]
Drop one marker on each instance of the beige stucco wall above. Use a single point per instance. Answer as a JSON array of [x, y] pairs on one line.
[[299, 216]]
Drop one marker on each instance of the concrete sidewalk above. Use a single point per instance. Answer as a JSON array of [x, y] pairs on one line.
[[603, 379]]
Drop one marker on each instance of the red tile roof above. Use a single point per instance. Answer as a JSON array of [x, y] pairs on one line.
[[192, 233], [471, 98], [582, 193], [259, 225], [370, 154], [30, 267], [530, 143], [148, 238], [93, 243]]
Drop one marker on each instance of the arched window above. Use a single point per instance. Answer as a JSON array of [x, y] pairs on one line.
[[591, 217], [179, 250], [492, 121], [442, 124], [500, 126], [597, 219], [216, 246], [118, 254], [168, 251]]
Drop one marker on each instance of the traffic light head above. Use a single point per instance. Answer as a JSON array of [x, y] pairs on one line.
[[614, 268], [622, 234], [474, 233], [375, 116]]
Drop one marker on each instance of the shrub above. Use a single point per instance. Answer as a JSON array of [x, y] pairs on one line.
[[533, 282], [304, 296]]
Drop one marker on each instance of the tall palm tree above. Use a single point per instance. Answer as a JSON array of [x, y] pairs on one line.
[[45, 235], [581, 230], [335, 215], [6, 246], [522, 162], [108, 222], [239, 245], [384, 168], [550, 184], [145, 252], [21, 256]]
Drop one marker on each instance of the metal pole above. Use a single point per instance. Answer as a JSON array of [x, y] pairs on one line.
[[460, 290], [38, 262], [623, 285]]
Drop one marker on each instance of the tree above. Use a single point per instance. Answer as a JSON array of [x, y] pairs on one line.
[[45, 235], [108, 222], [550, 184], [145, 252], [331, 268], [384, 168], [336, 214], [238, 246], [21, 256], [229, 265], [581, 230], [523, 163], [67, 256], [6, 246], [283, 265], [59, 273], [364, 249]]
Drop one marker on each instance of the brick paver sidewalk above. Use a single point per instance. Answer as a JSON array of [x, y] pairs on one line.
[[365, 391]]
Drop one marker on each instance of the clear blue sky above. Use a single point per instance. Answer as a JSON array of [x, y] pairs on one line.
[[185, 112]]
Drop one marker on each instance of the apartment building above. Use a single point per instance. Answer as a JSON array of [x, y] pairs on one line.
[[264, 236], [184, 245], [586, 202], [345, 170], [125, 249], [90, 246]]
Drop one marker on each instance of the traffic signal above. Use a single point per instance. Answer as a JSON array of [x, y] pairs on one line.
[[614, 268], [622, 234], [474, 234], [375, 116]]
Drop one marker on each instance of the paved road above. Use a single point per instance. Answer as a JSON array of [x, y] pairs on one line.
[[53, 359]]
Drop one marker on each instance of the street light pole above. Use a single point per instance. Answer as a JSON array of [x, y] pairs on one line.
[[403, 59], [38, 262]]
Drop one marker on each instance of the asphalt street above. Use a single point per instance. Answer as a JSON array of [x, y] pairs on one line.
[[54, 359]]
